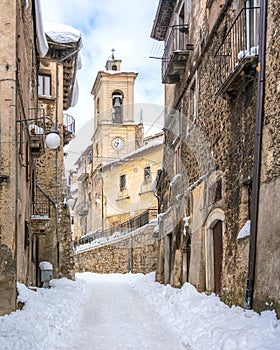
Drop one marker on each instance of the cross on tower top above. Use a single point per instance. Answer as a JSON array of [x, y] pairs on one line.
[[113, 54]]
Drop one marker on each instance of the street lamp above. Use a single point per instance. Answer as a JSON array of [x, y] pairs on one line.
[[52, 138], [70, 201]]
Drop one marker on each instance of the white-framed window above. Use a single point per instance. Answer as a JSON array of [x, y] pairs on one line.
[[44, 85]]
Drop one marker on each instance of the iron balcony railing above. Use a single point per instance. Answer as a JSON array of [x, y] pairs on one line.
[[176, 43], [123, 228], [68, 128], [40, 209], [68, 123], [240, 43]]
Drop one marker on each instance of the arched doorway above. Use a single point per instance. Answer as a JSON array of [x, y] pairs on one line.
[[218, 255], [214, 250]]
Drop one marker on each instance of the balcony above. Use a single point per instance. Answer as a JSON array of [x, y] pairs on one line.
[[237, 56], [40, 215], [68, 128], [36, 131], [82, 209], [175, 55]]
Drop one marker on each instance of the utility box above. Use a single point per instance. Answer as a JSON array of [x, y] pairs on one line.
[[46, 269]]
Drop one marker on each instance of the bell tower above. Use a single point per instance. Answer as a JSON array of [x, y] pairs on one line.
[[115, 131]]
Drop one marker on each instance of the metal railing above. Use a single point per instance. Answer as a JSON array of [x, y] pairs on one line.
[[40, 209], [68, 123], [177, 41], [240, 42], [123, 228]]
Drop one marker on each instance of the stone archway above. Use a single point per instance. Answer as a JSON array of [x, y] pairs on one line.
[[213, 259]]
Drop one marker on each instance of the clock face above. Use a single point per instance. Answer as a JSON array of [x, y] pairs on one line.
[[118, 143]]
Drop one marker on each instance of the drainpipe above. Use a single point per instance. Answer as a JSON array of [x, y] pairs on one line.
[[257, 160], [56, 153]]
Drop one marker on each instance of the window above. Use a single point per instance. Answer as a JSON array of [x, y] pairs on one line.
[[122, 182], [193, 101], [252, 26], [182, 34], [177, 161], [147, 174], [215, 192], [44, 85]]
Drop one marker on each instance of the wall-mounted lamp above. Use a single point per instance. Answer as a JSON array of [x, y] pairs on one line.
[[52, 139], [70, 201]]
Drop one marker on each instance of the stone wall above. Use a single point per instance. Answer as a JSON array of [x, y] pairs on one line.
[[136, 253]]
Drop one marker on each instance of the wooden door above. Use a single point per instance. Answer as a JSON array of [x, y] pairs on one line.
[[218, 255]]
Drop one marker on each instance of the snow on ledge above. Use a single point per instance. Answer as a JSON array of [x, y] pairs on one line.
[[45, 265], [245, 231]]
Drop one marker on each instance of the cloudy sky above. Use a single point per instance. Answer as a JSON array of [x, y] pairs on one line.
[[124, 25]]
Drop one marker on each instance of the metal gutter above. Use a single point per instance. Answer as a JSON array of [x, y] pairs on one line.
[[257, 160]]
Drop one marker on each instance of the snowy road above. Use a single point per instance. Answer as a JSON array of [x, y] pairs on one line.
[[132, 312], [116, 317]]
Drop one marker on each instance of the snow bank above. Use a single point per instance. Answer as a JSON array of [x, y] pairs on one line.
[[47, 319], [205, 323]]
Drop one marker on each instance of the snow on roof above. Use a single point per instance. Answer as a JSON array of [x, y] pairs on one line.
[[62, 33], [42, 43], [139, 150], [119, 71]]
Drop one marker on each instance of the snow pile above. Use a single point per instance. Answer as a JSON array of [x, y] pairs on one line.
[[206, 323], [61, 33], [47, 319]]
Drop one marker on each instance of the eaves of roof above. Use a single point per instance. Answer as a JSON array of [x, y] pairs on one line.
[[162, 19]]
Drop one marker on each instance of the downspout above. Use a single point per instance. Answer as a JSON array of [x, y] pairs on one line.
[[257, 160], [56, 153]]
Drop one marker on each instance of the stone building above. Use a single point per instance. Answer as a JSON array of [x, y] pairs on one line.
[[27, 167], [18, 85], [115, 174], [207, 188], [57, 92]]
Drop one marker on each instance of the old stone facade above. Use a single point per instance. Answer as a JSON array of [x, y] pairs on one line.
[[57, 74], [18, 86], [136, 253], [210, 71], [28, 175]]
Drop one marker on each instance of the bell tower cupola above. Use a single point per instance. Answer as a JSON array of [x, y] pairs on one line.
[[112, 63], [115, 131]]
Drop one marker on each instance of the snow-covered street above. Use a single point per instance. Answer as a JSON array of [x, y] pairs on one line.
[[119, 312], [116, 317]]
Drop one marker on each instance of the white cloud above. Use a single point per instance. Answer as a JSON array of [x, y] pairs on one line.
[[124, 25]]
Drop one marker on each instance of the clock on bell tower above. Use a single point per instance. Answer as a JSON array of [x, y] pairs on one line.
[[115, 131]]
